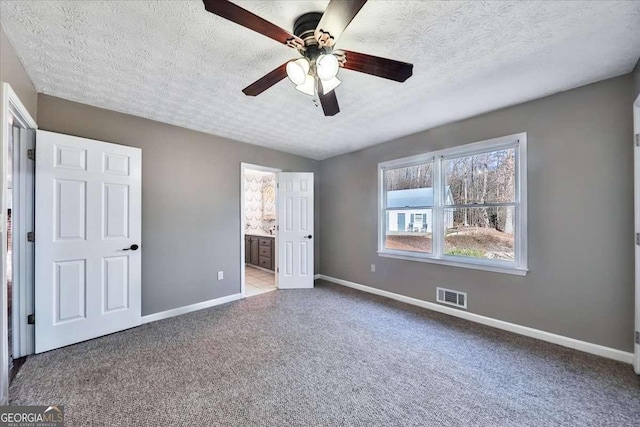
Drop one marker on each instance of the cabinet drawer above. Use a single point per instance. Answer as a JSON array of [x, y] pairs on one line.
[[265, 251], [265, 262], [266, 242]]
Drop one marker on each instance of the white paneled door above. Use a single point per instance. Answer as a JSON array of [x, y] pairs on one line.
[[88, 231], [295, 234]]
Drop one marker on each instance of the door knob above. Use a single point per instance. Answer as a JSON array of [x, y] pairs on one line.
[[131, 248], [308, 237]]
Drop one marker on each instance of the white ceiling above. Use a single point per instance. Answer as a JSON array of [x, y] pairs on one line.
[[174, 62]]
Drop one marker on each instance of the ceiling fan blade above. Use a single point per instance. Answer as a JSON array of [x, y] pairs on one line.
[[328, 101], [376, 66], [335, 19], [243, 17], [260, 85]]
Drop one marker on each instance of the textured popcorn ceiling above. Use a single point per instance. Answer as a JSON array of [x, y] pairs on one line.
[[174, 62]]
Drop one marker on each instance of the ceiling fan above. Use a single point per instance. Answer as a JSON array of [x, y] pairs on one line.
[[314, 36]]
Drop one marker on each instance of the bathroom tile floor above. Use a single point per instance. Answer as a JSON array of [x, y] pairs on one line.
[[258, 281]]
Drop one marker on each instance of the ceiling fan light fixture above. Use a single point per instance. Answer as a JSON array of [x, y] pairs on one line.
[[314, 35], [309, 86], [327, 67], [329, 85], [297, 71]]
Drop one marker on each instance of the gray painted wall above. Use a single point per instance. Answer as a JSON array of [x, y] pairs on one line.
[[190, 199], [12, 72], [580, 210], [636, 78]]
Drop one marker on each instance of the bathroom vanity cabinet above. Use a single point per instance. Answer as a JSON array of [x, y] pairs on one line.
[[259, 251]]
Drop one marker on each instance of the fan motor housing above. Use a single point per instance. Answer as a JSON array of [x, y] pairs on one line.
[[306, 23], [305, 27]]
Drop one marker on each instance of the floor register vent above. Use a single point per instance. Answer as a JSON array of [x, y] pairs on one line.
[[447, 296]]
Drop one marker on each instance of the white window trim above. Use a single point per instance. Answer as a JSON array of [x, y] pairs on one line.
[[519, 265]]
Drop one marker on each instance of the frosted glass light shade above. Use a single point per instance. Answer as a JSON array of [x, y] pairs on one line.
[[308, 86], [329, 85], [297, 70], [327, 66]]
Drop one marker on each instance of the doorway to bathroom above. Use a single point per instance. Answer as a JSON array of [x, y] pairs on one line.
[[259, 229]]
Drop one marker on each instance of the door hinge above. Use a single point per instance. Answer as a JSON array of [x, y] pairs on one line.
[[31, 236], [637, 337], [31, 154], [277, 269], [637, 139], [31, 319]]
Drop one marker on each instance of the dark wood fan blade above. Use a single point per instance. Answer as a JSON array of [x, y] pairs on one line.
[[328, 101], [243, 17], [376, 66], [259, 86], [335, 19]]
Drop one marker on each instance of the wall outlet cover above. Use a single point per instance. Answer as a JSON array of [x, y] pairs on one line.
[[220, 275]]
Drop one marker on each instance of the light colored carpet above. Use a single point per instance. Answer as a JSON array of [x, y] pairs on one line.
[[329, 356]]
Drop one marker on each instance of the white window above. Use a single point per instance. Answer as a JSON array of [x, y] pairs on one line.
[[465, 206]]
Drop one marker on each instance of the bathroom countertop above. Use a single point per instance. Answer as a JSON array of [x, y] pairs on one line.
[[258, 233]]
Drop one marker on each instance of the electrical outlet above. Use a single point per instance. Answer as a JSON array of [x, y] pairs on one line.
[[220, 275], [373, 268]]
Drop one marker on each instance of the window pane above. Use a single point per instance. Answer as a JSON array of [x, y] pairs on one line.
[[480, 232], [410, 186], [481, 178], [409, 230]]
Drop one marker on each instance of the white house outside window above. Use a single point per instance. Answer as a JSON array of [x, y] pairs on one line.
[[463, 206]]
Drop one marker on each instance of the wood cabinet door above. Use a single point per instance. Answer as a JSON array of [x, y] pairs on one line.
[[247, 250], [273, 257], [255, 251]]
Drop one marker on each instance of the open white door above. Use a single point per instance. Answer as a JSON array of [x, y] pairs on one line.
[[88, 228], [636, 130], [295, 230]]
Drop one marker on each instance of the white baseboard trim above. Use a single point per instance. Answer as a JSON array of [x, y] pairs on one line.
[[189, 308], [587, 347], [317, 276]]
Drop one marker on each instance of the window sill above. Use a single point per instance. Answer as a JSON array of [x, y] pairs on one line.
[[493, 268]]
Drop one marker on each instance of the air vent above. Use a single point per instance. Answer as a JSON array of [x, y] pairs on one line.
[[447, 296]]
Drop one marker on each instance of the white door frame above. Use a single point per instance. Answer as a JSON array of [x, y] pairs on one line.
[[243, 168], [11, 104], [636, 131]]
